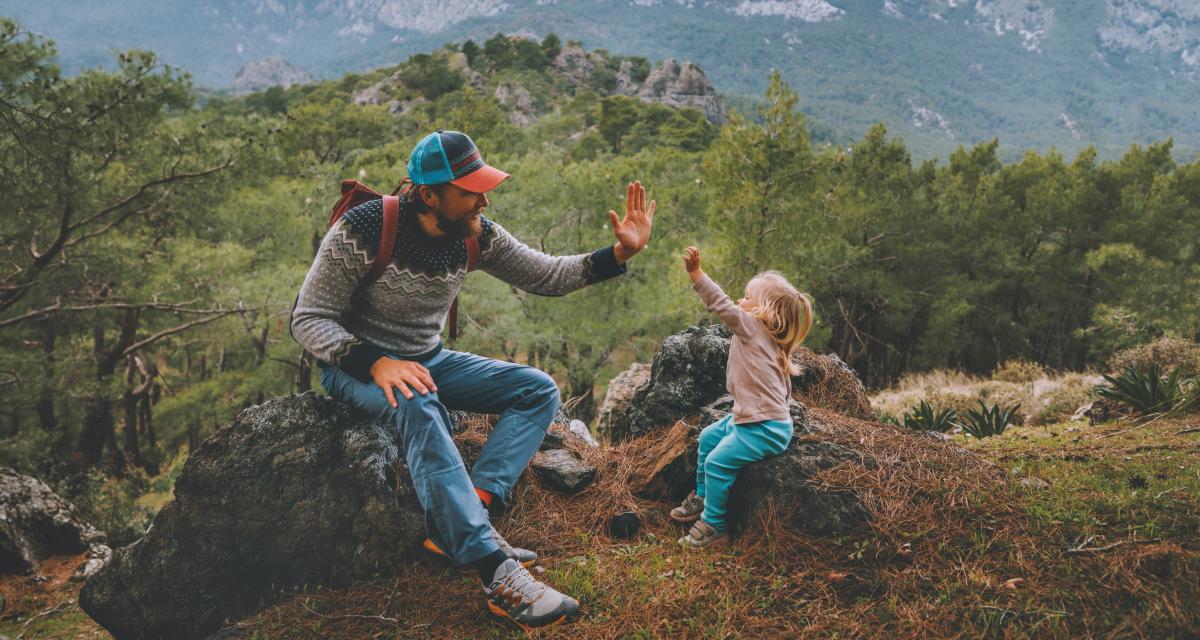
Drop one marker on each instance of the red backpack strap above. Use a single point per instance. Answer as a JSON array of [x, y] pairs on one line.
[[387, 238], [472, 253]]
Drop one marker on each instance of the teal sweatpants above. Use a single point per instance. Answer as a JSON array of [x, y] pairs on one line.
[[725, 448]]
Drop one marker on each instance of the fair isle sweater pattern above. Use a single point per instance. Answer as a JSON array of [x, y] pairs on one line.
[[351, 325]]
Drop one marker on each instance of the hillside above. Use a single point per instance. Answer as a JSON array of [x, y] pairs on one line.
[[940, 73]]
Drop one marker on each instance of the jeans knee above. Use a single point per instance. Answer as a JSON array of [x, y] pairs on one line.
[[543, 390]]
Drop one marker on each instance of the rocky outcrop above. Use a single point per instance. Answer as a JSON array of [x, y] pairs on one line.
[[518, 101], [620, 393], [683, 85], [688, 373], [36, 524], [297, 490], [577, 65], [272, 72], [666, 469]]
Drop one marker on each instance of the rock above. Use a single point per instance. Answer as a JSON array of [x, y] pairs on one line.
[[577, 65], [272, 72], [36, 524], [557, 437], [666, 468], [620, 393], [519, 102], [683, 85], [580, 429], [380, 92], [1033, 484], [562, 471], [688, 373], [1103, 410], [297, 490]]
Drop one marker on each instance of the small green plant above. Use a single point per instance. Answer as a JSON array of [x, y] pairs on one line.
[[1189, 401], [989, 421], [925, 418], [1145, 390]]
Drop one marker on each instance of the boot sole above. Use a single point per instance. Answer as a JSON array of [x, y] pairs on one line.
[[686, 519], [501, 613], [432, 548]]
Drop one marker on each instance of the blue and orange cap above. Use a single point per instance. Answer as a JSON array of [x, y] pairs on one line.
[[451, 156]]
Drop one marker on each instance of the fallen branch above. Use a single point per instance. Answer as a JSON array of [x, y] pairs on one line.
[[350, 615], [1190, 430], [58, 608], [1163, 493], [1084, 548]]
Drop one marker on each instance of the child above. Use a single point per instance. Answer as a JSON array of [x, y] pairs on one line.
[[768, 323]]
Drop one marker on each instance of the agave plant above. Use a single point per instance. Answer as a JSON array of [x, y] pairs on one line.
[[989, 421], [1146, 390], [925, 418]]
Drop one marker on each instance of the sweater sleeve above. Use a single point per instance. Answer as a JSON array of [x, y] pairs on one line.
[[509, 259], [343, 260], [738, 321]]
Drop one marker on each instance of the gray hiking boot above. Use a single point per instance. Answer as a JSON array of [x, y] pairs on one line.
[[704, 535], [690, 510], [516, 596]]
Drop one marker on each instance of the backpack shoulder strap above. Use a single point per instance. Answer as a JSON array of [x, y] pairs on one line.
[[472, 253], [387, 238]]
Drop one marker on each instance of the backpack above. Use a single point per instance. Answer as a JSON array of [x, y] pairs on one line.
[[355, 193]]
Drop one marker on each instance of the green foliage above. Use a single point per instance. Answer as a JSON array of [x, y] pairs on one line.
[[990, 421], [925, 418], [1146, 391], [431, 76]]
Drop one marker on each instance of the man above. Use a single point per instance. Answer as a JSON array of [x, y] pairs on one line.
[[378, 346]]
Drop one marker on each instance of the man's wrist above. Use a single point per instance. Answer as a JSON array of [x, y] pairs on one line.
[[622, 254]]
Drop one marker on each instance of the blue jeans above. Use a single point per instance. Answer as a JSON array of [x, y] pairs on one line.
[[725, 448], [526, 400]]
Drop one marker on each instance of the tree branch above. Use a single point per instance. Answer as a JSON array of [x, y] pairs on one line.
[[183, 327]]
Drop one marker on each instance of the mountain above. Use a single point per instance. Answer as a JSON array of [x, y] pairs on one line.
[[940, 73]]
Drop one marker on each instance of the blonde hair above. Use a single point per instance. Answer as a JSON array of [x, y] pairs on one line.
[[787, 313]]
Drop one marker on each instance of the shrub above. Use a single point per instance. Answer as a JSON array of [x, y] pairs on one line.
[[1145, 390], [925, 418], [989, 421], [1019, 371], [1168, 353]]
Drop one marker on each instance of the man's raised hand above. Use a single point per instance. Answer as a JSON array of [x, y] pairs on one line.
[[401, 374], [632, 231]]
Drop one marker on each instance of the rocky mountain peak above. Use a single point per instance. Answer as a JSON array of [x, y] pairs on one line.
[[264, 74]]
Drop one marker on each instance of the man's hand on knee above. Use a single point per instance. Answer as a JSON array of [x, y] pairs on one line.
[[392, 374]]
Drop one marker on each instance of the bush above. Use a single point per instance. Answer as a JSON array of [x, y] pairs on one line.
[[1145, 390], [925, 418], [1019, 371], [1167, 353], [989, 421]]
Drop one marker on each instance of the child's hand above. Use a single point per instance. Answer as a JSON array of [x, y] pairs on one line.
[[691, 259]]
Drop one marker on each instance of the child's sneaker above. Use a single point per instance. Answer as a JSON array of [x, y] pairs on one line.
[[704, 535], [690, 510]]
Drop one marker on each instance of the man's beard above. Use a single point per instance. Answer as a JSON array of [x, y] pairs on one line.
[[465, 228]]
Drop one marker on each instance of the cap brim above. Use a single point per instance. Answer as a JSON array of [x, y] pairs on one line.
[[481, 180]]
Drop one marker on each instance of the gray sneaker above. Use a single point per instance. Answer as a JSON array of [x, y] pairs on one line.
[[690, 510], [516, 596], [704, 535]]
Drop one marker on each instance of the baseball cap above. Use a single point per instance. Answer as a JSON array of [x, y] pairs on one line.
[[451, 156]]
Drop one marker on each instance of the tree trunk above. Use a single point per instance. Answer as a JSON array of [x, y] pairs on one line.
[[304, 375], [97, 428], [45, 403]]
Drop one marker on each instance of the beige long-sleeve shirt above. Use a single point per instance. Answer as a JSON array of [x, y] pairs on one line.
[[760, 388]]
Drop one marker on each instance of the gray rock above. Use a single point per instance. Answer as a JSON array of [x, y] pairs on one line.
[[580, 429], [562, 471], [577, 65], [36, 524], [264, 74], [620, 394], [682, 85], [297, 490], [519, 102], [1033, 484]]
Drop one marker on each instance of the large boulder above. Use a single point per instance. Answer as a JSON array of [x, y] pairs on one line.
[[666, 468], [620, 394], [36, 524], [683, 85], [297, 490], [688, 373]]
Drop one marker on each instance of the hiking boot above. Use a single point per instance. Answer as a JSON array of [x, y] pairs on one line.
[[690, 510], [516, 596], [704, 535], [523, 556]]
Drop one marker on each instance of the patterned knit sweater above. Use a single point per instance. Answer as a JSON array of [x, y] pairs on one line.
[[344, 323]]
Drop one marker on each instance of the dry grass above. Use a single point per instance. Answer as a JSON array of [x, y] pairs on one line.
[[950, 532], [1044, 397]]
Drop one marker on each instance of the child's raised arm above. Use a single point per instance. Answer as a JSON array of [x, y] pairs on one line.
[[714, 298]]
